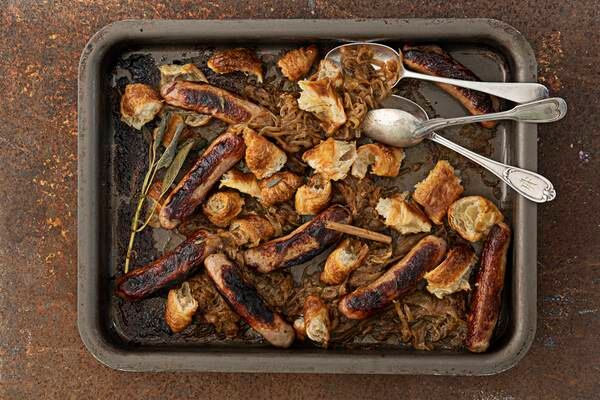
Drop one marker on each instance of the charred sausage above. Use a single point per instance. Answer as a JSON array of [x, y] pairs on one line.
[[399, 280], [207, 99], [170, 269], [432, 60], [222, 154], [485, 301], [246, 302], [302, 244]]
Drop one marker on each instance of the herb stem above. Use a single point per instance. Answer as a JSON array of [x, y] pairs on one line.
[[134, 222]]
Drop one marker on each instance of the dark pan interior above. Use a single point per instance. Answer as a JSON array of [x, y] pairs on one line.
[[140, 325]]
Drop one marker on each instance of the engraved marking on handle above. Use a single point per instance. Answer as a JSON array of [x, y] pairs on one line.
[[531, 185], [527, 184]]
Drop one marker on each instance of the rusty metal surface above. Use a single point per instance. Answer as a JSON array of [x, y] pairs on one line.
[[40, 351]]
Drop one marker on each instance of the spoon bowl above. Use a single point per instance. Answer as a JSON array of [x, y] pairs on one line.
[[381, 52]]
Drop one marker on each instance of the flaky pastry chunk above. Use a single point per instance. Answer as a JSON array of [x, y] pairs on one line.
[[316, 320], [278, 188], [452, 275], [296, 63], [238, 180], [346, 257], [222, 207], [402, 215], [320, 98], [139, 105], [384, 160], [250, 230], [314, 196], [181, 307], [473, 217], [262, 157], [331, 158], [436, 192]]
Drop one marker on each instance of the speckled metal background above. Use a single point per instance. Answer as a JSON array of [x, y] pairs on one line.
[[41, 355]]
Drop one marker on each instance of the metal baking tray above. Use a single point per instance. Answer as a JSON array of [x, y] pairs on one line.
[[493, 49]]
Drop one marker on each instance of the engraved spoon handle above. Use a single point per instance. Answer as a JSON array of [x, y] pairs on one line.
[[542, 111], [527, 183]]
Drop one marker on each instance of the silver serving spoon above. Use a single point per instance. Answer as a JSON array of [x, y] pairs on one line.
[[516, 92], [401, 128], [396, 126]]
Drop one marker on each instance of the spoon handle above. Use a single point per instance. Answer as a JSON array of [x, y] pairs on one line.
[[517, 92], [541, 111], [527, 183]]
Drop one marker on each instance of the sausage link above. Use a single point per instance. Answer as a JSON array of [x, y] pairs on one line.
[[399, 280], [170, 269], [302, 244], [246, 302], [207, 99], [486, 299], [432, 60], [222, 154]]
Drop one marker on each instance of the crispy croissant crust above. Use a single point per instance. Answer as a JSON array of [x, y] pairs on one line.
[[238, 180], [438, 191], [296, 63], [250, 230], [452, 275], [316, 320], [222, 207], [139, 105], [181, 307], [314, 196], [300, 329], [473, 217], [320, 98], [384, 161], [348, 256], [186, 72], [402, 215], [263, 158], [332, 72], [278, 188], [331, 158], [233, 60]]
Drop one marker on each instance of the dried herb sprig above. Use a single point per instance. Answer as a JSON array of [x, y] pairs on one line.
[[171, 159]]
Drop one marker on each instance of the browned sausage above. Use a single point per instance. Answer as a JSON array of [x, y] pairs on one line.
[[170, 269], [432, 60], [302, 244], [399, 280], [207, 99], [222, 154], [246, 302], [485, 301]]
